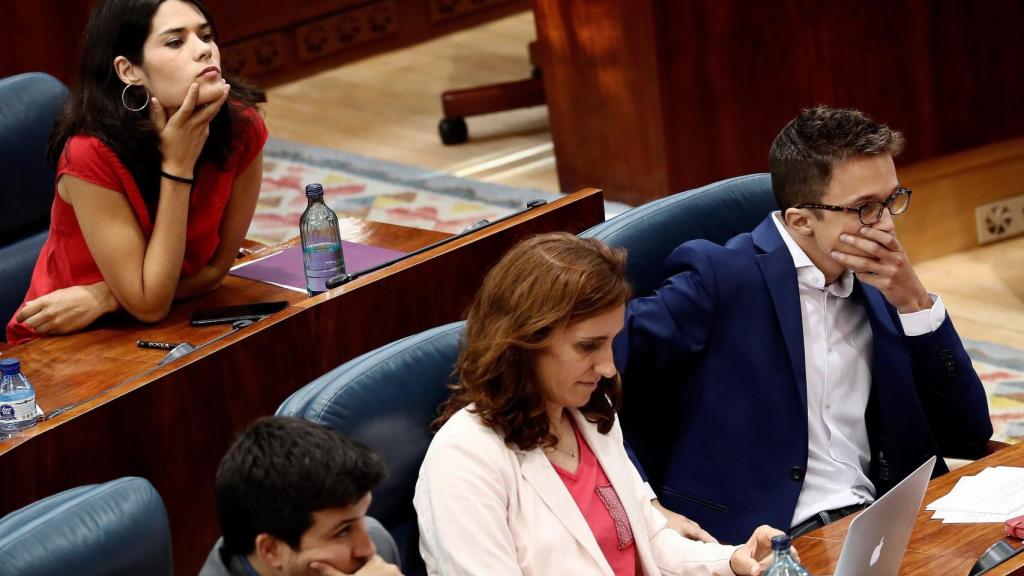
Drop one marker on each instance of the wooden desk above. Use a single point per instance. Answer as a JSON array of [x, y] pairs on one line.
[[934, 547], [114, 413]]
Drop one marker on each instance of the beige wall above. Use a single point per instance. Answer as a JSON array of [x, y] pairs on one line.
[[946, 190]]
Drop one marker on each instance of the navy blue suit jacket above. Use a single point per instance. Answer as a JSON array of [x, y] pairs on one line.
[[715, 395]]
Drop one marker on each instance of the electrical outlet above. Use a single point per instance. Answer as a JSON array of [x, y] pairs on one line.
[[1001, 219]]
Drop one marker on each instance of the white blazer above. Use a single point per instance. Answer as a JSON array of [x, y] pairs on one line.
[[485, 509]]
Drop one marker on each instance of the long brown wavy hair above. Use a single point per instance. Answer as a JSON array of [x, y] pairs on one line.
[[543, 283]]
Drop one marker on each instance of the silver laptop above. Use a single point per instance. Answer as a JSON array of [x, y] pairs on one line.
[[878, 537]]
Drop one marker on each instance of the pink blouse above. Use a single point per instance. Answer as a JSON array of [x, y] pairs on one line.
[[602, 509]]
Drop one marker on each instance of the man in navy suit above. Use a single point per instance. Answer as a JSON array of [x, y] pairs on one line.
[[807, 368]]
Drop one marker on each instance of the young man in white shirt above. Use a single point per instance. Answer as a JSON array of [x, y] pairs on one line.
[[813, 369]]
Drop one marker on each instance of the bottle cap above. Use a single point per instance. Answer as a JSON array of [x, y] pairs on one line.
[[314, 191], [9, 366], [780, 542]]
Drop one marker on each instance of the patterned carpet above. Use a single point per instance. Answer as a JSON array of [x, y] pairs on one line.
[[400, 194], [376, 190], [1001, 369]]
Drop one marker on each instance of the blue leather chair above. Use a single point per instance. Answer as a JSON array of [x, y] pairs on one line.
[[115, 528], [649, 233], [715, 212], [29, 103], [387, 399]]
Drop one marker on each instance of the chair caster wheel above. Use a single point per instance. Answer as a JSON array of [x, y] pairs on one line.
[[453, 131]]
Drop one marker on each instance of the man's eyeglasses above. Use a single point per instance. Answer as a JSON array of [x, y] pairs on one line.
[[871, 212]]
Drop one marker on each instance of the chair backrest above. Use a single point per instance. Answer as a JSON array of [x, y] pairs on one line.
[[386, 399], [715, 212], [115, 528], [649, 233], [29, 104]]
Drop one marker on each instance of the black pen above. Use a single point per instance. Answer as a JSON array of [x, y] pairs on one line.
[[155, 345]]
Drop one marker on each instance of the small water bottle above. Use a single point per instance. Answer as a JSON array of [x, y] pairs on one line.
[[321, 241], [17, 398], [783, 562]]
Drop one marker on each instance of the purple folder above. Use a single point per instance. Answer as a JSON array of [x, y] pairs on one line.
[[285, 267]]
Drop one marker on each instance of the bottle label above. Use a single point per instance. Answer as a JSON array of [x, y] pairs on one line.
[[19, 410]]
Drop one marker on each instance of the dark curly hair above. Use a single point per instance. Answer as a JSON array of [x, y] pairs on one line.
[[807, 149], [543, 283]]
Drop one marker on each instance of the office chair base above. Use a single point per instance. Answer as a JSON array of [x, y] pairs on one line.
[[453, 131]]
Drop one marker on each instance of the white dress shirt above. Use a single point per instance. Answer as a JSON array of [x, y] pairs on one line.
[[837, 360]]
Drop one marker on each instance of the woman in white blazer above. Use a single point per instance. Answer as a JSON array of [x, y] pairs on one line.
[[528, 474]]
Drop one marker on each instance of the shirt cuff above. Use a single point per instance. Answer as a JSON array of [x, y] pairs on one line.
[[650, 491], [924, 321]]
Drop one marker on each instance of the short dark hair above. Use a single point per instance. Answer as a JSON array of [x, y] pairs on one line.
[[806, 151], [542, 283], [280, 471]]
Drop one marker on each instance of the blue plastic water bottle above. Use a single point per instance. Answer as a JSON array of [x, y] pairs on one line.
[[17, 398], [783, 563], [321, 241]]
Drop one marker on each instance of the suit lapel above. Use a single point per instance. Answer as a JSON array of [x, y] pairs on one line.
[[885, 338], [776, 265], [878, 313], [539, 473], [885, 381]]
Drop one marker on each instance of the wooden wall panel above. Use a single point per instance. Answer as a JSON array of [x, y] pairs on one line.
[[42, 35], [946, 191], [711, 82], [240, 19], [269, 41], [606, 108]]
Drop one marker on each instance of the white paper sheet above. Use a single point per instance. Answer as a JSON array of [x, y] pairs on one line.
[[996, 494]]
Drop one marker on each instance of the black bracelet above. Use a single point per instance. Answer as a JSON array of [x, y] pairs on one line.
[[188, 181]]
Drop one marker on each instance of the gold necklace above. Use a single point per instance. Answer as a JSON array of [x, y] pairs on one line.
[[569, 452]]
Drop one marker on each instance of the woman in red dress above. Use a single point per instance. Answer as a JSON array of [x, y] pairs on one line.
[[159, 163]]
